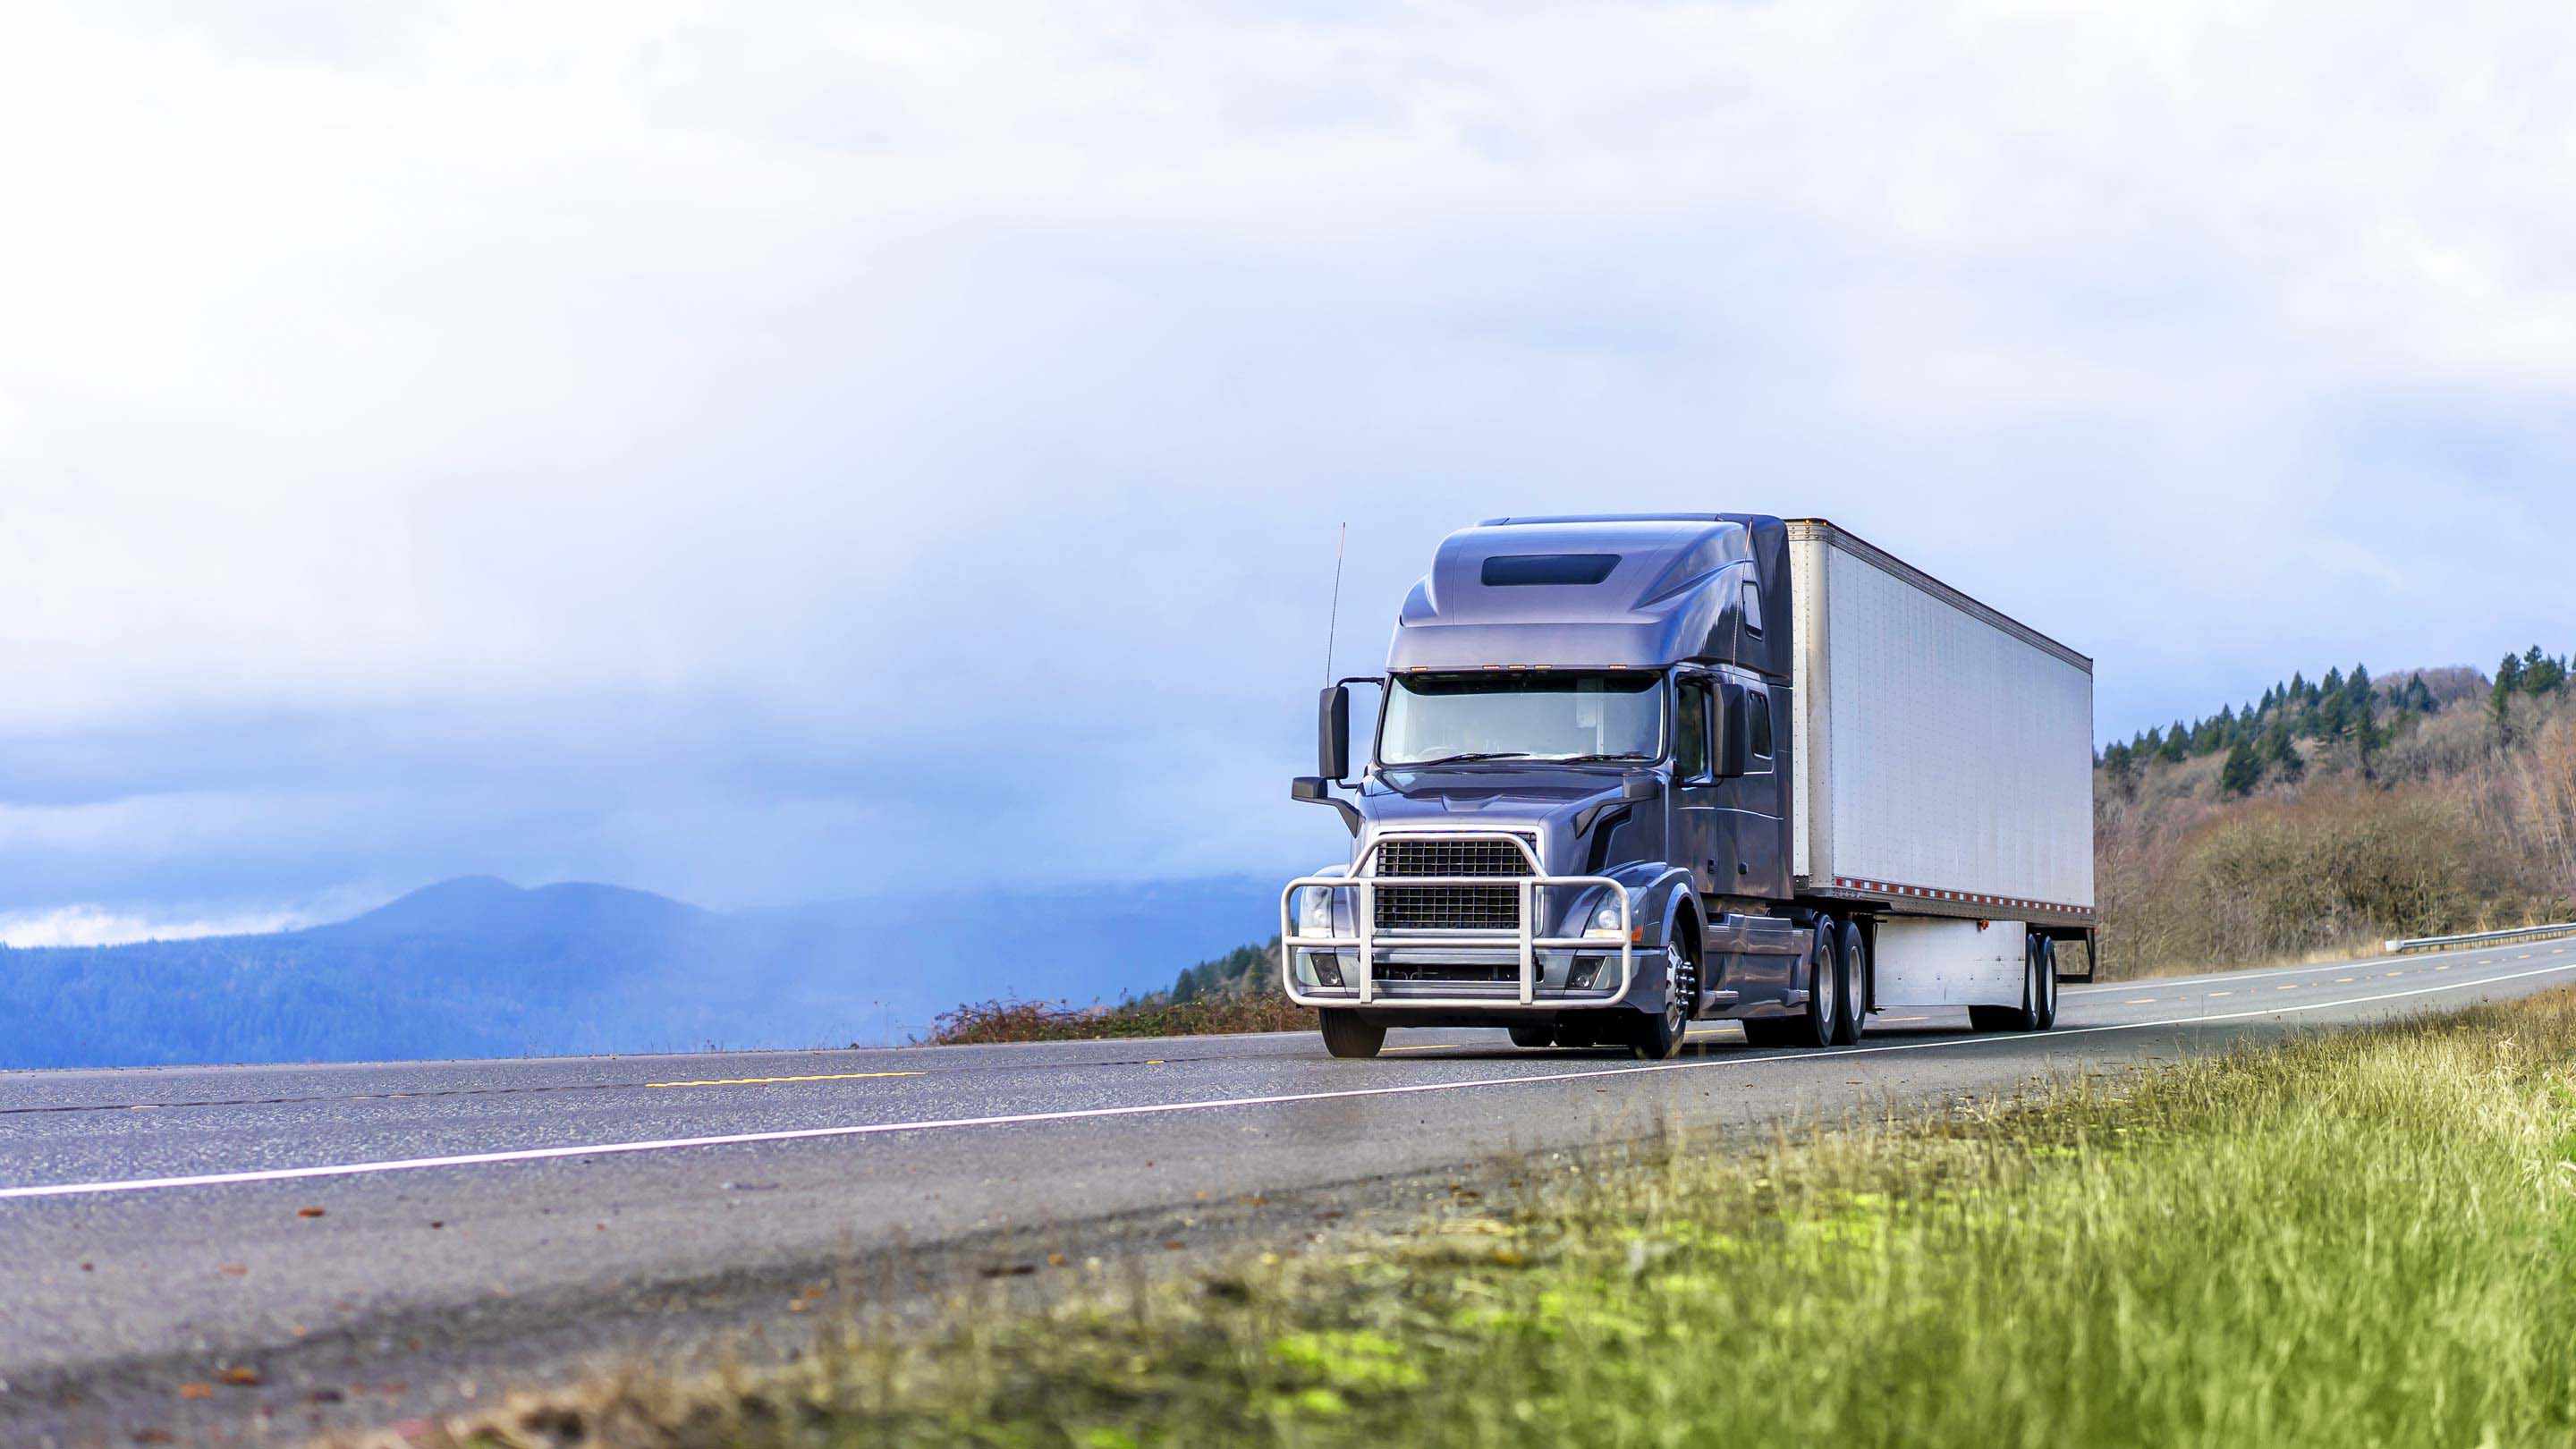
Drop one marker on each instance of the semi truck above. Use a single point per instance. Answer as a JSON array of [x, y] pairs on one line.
[[1628, 773]]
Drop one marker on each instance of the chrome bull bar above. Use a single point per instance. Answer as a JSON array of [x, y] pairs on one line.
[[1368, 941]]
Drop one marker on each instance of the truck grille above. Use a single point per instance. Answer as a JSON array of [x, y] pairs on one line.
[[1449, 907]]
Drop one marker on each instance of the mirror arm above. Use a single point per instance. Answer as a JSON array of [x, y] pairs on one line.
[[1315, 790]]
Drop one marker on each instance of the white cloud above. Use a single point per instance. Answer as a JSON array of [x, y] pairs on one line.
[[96, 926], [688, 444]]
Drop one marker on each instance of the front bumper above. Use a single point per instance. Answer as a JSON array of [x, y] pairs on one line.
[[1457, 968]]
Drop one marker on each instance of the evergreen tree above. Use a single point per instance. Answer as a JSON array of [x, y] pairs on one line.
[[2333, 683], [2177, 745], [2334, 716], [2241, 773], [2120, 762], [2540, 673], [2280, 755], [2358, 686], [2508, 681]]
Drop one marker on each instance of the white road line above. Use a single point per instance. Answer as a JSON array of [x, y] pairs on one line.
[[872, 1129]]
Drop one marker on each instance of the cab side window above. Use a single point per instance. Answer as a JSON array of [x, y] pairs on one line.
[[1690, 731], [1760, 700]]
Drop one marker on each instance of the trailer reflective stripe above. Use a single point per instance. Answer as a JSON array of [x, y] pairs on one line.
[[1967, 898]]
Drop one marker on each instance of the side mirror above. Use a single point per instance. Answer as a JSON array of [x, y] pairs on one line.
[[1734, 735], [1333, 733]]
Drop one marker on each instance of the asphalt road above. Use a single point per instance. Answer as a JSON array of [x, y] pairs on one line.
[[488, 1223]]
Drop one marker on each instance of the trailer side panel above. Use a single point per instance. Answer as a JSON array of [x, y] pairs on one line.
[[1948, 749]]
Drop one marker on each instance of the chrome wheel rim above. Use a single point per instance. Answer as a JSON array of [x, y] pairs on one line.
[[1676, 982], [1828, 986]]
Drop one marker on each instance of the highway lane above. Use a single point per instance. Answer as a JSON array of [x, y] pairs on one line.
[[155, 1228]]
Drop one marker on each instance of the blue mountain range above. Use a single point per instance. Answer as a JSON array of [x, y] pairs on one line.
[[478, 967]]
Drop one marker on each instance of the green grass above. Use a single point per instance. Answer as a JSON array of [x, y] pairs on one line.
[[2352, 1241]]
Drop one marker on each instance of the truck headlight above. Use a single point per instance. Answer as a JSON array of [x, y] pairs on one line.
[[1608, 920], [1315, 911]]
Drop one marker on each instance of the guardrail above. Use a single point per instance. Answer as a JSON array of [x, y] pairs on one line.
[[2482, 938]]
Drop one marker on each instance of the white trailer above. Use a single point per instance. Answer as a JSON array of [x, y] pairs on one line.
[[1945, 770]]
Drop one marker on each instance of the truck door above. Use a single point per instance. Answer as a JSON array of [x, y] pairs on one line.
[[1708, 826], [1752, 854]]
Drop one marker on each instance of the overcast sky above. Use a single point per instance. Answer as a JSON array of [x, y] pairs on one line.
[[765, 453]]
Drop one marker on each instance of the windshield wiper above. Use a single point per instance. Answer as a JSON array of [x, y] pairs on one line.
[[1630, 758], [1467, 757]]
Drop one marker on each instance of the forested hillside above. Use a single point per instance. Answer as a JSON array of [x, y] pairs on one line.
[[2328, 816]]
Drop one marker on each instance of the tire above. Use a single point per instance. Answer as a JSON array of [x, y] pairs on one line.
[[1345, 1035], [2034, 998], [1818, 1024], [2047, 984], [1854, 1014], [1658, 1038], [1533, 1036]]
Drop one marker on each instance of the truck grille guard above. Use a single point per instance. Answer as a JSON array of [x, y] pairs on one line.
[[1365, 884]]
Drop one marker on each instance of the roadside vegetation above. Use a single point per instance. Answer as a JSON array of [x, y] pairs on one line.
[[1238, 991], [2331, 816], [2356, 1239]]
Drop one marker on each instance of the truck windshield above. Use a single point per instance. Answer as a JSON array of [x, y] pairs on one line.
[[1554, 715]]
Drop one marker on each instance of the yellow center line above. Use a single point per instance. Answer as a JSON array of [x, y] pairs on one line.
[[2139, 1001], [2222, 993], [763, 1081], [2293, 986], [2343, 981], [1908, 1018]]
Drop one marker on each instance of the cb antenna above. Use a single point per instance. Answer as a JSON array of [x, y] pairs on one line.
[[1333, 624]]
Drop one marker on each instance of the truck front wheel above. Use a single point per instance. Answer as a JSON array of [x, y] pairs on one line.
[[1659, 1037], [1345, 1035]]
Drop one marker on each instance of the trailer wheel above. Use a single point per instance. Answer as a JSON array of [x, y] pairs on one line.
[[2047, 984], [1533, 1036], [1345, 1035], [1855, 985], [2035, 998]]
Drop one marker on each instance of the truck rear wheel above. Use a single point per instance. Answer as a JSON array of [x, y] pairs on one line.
[[1345, 1035], [1533, 1036], [1855, 985], [1821, 1026]]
